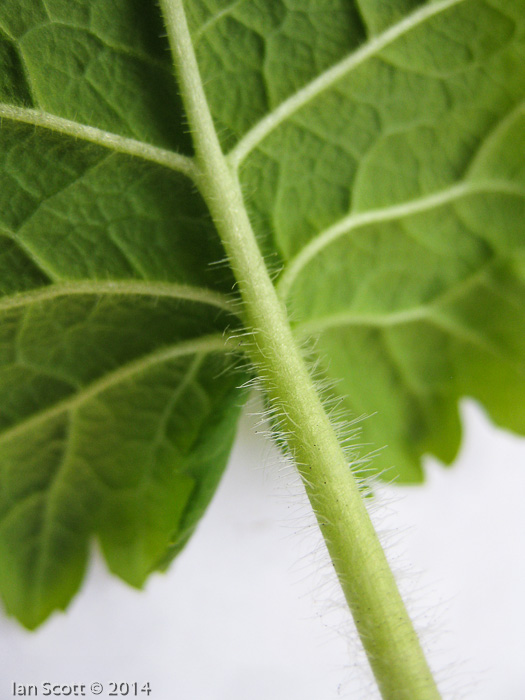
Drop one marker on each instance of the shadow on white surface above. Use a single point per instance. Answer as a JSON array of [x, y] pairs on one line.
[[243, 613]]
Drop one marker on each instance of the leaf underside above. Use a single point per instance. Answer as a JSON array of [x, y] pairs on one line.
[[380, 149]]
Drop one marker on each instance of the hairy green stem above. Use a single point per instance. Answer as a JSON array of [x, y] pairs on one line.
[[381, 618]]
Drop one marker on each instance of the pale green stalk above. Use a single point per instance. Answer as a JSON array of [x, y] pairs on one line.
[[382, 621]]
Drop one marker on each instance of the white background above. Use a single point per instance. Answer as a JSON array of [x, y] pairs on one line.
[[250, 610]]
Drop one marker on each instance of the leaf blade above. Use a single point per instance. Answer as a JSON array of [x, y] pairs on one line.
[[406, 131], [383, 178], [118, 386]]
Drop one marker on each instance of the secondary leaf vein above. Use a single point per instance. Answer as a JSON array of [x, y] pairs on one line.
[[122, 287], [397, 211], [205, 344], [332, 75], [106, 139]]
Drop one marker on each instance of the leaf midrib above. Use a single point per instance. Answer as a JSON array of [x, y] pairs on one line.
[[259, 131]]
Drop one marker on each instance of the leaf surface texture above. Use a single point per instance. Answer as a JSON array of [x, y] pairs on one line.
[[380, 149]]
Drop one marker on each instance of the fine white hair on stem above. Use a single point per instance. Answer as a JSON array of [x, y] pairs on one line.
[[312, 556], [313, 561]]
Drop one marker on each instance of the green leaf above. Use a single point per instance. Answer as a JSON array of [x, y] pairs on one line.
[[391, 187], [379, 147], [119, 399]]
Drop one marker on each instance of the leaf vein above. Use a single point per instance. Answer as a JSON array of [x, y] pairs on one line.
[[205, 344], [183, 292], [35, 259], [332, 75], [48, 523], [214, 19], [357, 220], [111, 141]]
